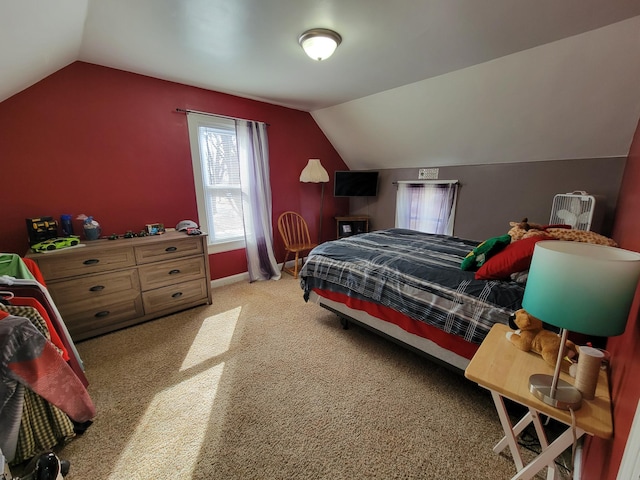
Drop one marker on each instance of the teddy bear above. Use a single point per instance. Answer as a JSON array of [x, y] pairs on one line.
[[531, 336]]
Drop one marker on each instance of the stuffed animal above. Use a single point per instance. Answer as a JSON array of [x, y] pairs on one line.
[[479, 255], [572, 235], [531, 336], [526, 229]]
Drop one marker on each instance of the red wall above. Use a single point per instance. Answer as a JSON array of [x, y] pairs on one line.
[[602, 458], [110, 144]]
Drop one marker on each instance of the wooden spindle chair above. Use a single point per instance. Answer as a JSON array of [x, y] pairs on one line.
[[295, 235]]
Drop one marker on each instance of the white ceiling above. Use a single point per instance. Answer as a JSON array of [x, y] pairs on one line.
[[414, 82]]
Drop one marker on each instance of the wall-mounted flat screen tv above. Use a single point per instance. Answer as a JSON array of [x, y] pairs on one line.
[[355, 183]]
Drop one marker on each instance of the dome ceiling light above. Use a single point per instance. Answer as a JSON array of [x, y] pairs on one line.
[[319, 43]]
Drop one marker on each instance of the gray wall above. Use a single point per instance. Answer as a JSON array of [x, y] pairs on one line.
[[491, 196]]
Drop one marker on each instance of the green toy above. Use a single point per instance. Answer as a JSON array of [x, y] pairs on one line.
[[476, 258]]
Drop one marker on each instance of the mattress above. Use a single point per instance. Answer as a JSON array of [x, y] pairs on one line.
[[411, 275]]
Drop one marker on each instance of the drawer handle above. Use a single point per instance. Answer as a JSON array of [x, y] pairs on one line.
[[91, 261], [96, 288], [102, 314], [171, 249], [173, 272], [176, 295]]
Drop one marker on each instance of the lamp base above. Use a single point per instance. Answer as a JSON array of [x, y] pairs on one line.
[[567, 397]]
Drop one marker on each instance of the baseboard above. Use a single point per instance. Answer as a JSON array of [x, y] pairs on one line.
[[241, 277], [221, 282], [577, 461]]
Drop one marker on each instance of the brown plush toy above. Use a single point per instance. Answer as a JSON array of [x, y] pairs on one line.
[[531, 336], [520, 229], [526, 229]]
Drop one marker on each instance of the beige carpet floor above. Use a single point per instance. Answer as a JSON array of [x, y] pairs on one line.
[[261, 385]]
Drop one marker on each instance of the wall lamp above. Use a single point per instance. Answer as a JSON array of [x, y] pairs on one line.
[[319, 43]]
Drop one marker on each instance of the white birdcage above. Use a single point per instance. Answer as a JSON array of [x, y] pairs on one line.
[[578, 209]]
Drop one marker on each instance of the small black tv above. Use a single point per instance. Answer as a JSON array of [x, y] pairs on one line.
[[354, 183]]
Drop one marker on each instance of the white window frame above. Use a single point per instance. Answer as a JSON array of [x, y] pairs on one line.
[[195, 121]]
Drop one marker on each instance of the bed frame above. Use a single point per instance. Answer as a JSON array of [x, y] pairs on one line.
[[391, 331]]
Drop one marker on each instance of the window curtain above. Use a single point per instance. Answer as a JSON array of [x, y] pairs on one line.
[[253, 154], [426, 207]]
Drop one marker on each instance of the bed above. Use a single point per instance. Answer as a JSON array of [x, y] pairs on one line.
[[409, 286]]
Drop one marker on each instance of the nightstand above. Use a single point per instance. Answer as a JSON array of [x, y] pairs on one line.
[[504, 370], [351, 225]]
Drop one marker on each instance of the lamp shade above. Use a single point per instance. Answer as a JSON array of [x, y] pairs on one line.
[[314, 172], [582, 287]]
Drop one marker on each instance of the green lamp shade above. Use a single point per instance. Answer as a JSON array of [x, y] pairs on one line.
[[582, 287]]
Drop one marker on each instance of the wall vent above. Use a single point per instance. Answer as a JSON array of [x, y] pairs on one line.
[[428, 174]]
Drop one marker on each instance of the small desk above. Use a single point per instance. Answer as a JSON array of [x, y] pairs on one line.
[[502, 368]]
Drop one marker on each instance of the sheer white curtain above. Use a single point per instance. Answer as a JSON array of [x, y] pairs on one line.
[[426, 206], [253, 153]]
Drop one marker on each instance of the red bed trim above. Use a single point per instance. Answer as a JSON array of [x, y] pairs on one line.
[[450, 342]]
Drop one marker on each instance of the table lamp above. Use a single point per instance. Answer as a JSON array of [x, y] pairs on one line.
[[581, 287]]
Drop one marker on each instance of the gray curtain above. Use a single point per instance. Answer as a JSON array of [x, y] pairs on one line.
[[253, 153]]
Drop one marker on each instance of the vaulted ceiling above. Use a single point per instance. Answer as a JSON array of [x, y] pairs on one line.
[[414, 82]]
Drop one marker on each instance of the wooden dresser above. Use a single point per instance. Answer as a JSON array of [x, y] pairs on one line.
[[105, 285]]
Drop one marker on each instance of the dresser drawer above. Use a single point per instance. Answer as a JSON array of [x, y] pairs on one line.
[[89, 315], [174, 296], [169, 273], [95, 286], [179, 247], [82, 263]]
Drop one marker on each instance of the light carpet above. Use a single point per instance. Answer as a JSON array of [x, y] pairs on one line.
[[261, 385]]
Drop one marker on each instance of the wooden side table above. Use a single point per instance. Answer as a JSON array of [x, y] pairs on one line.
[[504, 370], [351, 225]]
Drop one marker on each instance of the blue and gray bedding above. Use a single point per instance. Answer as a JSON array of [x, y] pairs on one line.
[[416, 274]]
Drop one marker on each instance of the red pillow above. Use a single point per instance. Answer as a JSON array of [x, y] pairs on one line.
[[515, 257]]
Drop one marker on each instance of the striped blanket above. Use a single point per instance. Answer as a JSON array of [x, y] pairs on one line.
[[416, 274]]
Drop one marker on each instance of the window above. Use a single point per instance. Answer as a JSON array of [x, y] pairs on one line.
[[427, 206], [216, 171]]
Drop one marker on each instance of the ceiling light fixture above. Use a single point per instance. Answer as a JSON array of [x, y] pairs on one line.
[[319, 43]]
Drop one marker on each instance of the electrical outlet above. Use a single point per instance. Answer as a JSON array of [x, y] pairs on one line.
[[428, 174]]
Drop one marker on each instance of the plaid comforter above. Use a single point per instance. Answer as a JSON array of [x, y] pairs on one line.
[[416, 274]]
